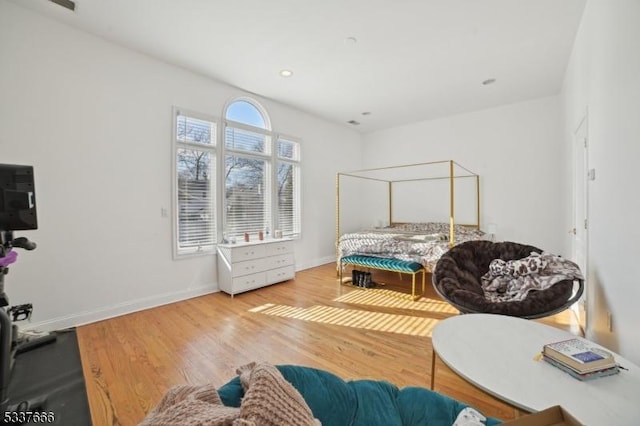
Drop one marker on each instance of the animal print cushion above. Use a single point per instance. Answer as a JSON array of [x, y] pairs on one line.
[[531, 264]]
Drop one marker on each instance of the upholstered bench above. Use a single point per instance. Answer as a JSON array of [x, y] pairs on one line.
[[387, 264]]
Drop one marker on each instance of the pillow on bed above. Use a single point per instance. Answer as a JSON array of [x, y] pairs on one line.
[[438, 228], [469, 232], [422, 237], [424, 227]]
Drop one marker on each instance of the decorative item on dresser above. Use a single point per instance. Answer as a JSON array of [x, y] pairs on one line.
[[249, 265]]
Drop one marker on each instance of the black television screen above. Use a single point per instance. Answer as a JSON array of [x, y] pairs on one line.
[[17, 198]]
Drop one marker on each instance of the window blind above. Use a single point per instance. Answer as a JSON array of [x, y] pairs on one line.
[[247, 197], [195, 183], [239, 139], [288, 187]]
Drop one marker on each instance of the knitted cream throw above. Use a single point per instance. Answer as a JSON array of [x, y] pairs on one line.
[[269, 400]]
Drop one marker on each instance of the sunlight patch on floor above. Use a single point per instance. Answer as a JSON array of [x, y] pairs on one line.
[[393, 299], [376, 321]]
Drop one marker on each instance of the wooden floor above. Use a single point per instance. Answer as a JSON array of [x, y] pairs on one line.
[[129, 362]]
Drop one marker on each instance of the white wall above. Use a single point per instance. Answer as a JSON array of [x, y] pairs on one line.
[[604, 76], [516, 150], [94, 119]]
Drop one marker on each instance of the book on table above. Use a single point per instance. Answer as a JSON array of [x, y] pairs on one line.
[[580, 355], [609, 371]]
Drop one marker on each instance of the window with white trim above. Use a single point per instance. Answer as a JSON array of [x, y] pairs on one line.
[[194, 139], [262, 174], [288, 186]]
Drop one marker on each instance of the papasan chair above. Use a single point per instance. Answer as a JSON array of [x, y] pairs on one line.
[[457, 278]]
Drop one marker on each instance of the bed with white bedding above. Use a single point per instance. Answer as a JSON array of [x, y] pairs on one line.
[[422, 243]]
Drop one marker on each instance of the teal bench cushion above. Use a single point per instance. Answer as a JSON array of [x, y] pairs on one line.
[[382, 263]]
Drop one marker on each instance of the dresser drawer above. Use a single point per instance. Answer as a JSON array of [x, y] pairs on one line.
[[240, 254], [274, 262], [280, 274], [249, 282], [251, 267], [280, 247]]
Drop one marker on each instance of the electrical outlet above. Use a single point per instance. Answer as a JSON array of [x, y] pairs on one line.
[[609, 321], [164, 212]]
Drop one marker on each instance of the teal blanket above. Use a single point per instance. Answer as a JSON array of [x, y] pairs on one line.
[[336, 402]]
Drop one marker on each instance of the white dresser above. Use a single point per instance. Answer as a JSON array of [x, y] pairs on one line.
[[246, 266]]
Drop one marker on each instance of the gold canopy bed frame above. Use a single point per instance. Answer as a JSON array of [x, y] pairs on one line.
[[392, 178]]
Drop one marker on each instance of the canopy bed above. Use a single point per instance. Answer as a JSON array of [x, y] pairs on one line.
[[416, 213]]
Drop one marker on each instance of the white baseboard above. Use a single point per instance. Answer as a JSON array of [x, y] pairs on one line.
[[315, 262], [87, 317], [124, 308]]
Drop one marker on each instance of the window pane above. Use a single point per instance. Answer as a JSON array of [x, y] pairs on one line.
[[289, 198], [189, 129], [245, 140], [247, 197], [247, 113], [196, 217], [288, 150]]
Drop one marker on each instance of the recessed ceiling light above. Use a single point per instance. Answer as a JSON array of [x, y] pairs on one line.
[[366, 113], [286, 73], [354, 122], [488, 81]]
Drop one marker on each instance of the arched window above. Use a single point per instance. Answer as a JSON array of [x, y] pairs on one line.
[[244, 111], [261, 184]]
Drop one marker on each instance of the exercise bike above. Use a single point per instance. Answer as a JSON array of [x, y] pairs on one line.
[[10, 344]]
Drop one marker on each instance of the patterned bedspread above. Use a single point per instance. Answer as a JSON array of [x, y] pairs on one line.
[[424, 243]]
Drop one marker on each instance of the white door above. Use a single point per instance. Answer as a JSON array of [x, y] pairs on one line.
[[580, 229]]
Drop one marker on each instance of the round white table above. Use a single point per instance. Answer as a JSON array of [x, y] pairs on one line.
[[497, 353]]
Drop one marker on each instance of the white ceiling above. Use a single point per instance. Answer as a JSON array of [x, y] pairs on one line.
[[413, 60]]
